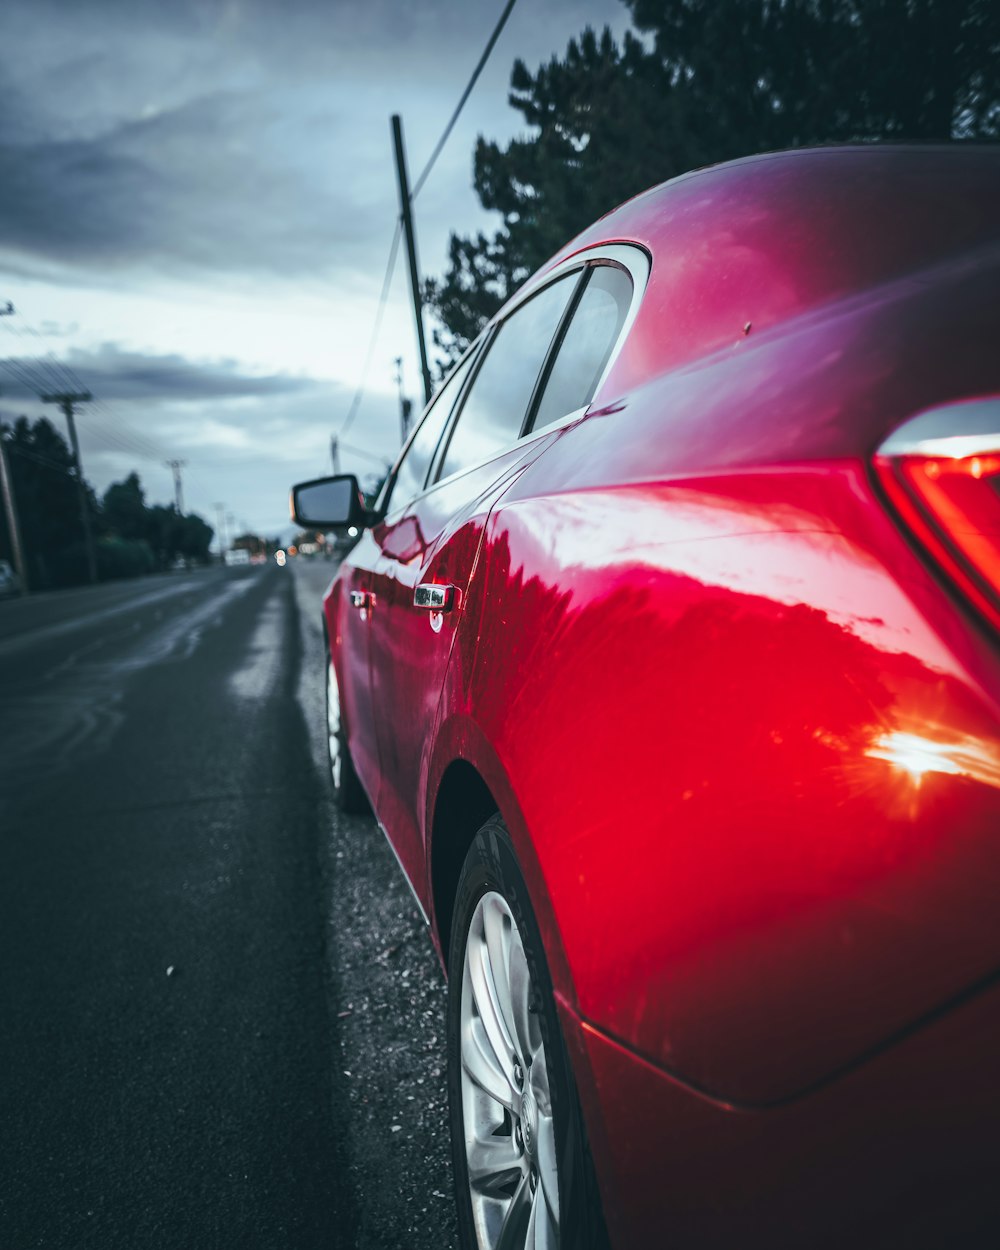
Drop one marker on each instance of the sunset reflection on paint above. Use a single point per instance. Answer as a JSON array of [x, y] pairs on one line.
[[917, 756]]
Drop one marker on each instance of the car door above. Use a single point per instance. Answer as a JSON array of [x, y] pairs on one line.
[[348, 612], [429, 550]]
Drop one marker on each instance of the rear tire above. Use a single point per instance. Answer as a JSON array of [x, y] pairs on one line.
[[523, 1176], [348, 792]]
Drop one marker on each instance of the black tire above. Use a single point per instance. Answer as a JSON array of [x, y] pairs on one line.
[[491, 870], [348, 792]]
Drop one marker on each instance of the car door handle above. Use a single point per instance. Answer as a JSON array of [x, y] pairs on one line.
[[435, 597], [362, 599]]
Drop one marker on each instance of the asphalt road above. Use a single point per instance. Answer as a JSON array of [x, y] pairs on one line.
[[221, 1022]]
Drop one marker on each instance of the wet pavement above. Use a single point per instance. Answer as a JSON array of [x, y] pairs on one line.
[[223, 1023]]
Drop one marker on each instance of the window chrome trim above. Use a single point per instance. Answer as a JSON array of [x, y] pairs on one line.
[[628, 256], [469, 354], [968, 427]]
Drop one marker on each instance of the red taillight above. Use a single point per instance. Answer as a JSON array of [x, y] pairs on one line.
[[941, 471]]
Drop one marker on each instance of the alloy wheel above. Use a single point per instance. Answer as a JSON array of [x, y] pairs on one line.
[[333, 725], [510, 1138]]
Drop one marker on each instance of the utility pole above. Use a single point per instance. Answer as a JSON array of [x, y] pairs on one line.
[[220, 509], [335, 454], [66, 400], [13, 526], [177, 465], [9, 502], [406, 210], [405, 405]]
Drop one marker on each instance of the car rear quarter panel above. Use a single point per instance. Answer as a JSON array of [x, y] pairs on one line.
[[695, 642]]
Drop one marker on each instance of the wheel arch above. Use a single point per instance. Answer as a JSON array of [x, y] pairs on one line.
[[463, 804], [467, 784], [469, 792]]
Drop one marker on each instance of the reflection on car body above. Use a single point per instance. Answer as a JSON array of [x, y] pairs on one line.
[[668, 662]]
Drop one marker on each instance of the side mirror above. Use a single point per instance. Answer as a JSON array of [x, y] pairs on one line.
[[334, 502]]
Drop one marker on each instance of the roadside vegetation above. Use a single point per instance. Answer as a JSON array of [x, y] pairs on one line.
[[701, 81], [132, 536]]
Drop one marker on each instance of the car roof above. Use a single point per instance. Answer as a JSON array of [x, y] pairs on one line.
[[763, 239]]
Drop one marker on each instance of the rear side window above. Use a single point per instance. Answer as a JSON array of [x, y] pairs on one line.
[[587, 344], [494, 412], [412, 471]]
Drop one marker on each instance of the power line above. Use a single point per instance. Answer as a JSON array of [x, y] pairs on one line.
[[132, 441], [49, 374], [355, 405], [352, 412], [360, 451], [58, 374], [56, 366], [33, 455], [23, 375], [464, 96]]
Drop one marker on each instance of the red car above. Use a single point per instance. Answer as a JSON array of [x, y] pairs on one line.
[[668, 661]]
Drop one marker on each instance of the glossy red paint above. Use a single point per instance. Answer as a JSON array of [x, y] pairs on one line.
[[434, 540], [744, 733], [348, 635], [894, 1153]]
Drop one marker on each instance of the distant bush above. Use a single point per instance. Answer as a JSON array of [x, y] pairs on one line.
[[123, 557]]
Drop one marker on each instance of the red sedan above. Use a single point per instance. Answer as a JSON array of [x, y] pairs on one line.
[[668, 661]]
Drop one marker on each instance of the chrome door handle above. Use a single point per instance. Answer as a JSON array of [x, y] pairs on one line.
[[362, 599], [435, 597]]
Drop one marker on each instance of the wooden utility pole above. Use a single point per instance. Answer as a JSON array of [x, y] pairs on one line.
[[9, 502], [66, 400], [405, 405], [406, 211], [13, 525], [220, 511], [177, 465]]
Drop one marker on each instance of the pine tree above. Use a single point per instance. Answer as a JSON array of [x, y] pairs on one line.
[[704, 81]]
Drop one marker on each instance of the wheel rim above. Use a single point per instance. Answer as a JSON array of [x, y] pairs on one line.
[[333, 725], [510, 1145]]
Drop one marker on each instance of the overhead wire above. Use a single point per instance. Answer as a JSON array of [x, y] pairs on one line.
[[352, 412], [23, 375], [55, 373], [360, 451], [16, 450], [56, 367], [490, 44], [48, 375], [418, 185]]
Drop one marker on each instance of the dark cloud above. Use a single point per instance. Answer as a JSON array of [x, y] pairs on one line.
[[240, 149], [119, 374], [206, 136], [115, 373], [211, 185]]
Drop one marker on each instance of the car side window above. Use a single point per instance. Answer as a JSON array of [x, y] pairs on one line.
[[587, 344], [412, 471], [494, 411]]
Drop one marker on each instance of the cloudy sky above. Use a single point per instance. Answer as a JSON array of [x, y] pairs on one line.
[[197, 200]]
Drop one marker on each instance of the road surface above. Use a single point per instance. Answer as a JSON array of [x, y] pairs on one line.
[[222, 1022]]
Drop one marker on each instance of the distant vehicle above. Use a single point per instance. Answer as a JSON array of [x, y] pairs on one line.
[[237, 555], [669, 660], [10, 583]]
